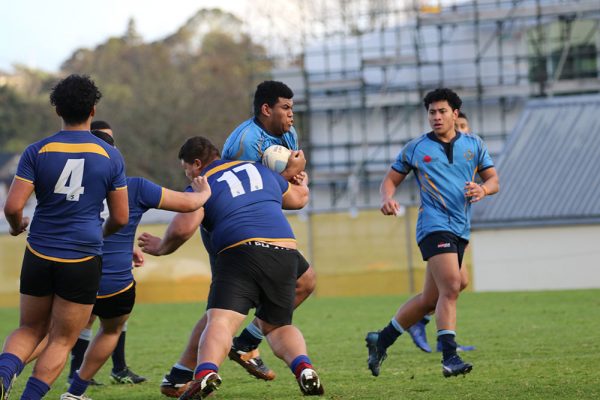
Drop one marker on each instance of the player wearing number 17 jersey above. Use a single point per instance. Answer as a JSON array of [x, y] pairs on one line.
[[71, 172]]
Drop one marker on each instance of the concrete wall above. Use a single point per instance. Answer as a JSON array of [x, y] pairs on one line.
[[536, 258]]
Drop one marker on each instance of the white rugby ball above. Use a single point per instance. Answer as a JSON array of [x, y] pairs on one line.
[[276, 157]]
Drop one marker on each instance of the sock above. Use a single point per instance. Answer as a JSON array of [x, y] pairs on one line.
[[35, 389], [118, 355], [204, 369], [249, 339], [78, 386], [10, 365], [426, 319], [446, 338], [181, 374], [389, 334], [78, 351], [299, 364]]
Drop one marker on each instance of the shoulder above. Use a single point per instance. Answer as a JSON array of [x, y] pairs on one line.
[[412, 144]]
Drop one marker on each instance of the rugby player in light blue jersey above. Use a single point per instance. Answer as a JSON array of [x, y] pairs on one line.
[[256, 266], [445, 163], [116, 295], [72, 172]]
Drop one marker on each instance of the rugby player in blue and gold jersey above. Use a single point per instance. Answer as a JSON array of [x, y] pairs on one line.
[[256, 266], [445, 163], [116, 295], [72, 172]]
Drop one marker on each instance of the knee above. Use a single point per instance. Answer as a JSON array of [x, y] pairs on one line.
[[307, 282]]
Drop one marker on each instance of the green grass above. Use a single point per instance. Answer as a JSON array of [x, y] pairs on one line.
[[537, 345]]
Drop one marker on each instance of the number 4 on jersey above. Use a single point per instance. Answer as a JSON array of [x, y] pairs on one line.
[[69, 182]]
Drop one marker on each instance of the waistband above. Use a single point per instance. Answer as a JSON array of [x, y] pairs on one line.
[[265, 245]]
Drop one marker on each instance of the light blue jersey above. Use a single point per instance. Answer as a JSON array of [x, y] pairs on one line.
[[249, 140], [442, 170]]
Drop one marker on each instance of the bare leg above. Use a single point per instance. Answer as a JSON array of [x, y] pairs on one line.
[[189, 355], [215, 341], [68, 319], [102, 346], [286, 341], [446, 274]]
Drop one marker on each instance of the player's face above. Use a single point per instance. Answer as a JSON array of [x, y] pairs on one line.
[[442, 118], [191, 170], [281, 117], [462, 125]]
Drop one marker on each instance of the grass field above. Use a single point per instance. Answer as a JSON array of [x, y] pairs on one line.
[[537, 345]]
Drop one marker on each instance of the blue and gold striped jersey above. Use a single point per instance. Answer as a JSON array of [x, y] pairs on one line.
[[72, 173], [245, 204], [250, 139], [442, 170], [117, 251]]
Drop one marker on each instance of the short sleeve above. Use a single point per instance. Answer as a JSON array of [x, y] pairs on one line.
[[26, 167], [403, 163], [485, 160], [119, 180], [150, 194]]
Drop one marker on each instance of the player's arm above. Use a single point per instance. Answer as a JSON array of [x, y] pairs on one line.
[[118, 209], [19, 193], [296, 164], [490, 185], [181, 228], [296, 196], [390, 182], [186, 201]]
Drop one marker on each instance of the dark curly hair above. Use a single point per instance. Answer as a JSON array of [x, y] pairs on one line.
[[440, 95], [200, 148], [74, 98], [269, 92]]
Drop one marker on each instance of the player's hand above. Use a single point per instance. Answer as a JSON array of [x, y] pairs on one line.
[[200, 185], [390, 207], [22, 227], [296, 163], [138, 257], [474, 192], [149, 244], [300, 179]]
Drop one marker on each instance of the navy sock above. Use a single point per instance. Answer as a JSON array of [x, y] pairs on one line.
[[179, 375], [425, 320], [118, 355], [35, 389], [78, 386], [389, 334], [446, 338], [10, 365], [246, 341], [77, 353]]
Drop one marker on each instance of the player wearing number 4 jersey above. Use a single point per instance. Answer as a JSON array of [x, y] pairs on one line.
[[71, 172]]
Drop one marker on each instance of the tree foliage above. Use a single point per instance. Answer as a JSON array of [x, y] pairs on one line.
[[198, 81]]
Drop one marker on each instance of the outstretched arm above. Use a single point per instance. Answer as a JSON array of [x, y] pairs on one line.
[[181, 228], [186, 201]]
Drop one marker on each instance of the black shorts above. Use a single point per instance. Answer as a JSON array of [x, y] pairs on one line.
[[115, 305], [261, 276], [302, 266], [77, 282], [443, 242]]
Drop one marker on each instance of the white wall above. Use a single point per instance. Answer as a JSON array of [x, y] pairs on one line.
[[536, 258]]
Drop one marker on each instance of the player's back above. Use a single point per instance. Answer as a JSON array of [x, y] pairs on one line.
[[245, 204], [72, 173]]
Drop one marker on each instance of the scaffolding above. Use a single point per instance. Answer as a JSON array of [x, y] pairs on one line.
[[360, 69]]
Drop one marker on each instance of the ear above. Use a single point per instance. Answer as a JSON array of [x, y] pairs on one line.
[[265, 110], [93, 111], [198, 164]]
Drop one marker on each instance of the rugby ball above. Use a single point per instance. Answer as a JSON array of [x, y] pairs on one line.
[[276, 157]]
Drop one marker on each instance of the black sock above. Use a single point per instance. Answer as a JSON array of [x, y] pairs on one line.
[[425, 320], [77, 354], [246, 341], [181, 375], [118, 355], [387, 336], [448, 345]]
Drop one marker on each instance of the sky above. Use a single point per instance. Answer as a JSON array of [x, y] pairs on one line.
[[42, 34]]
